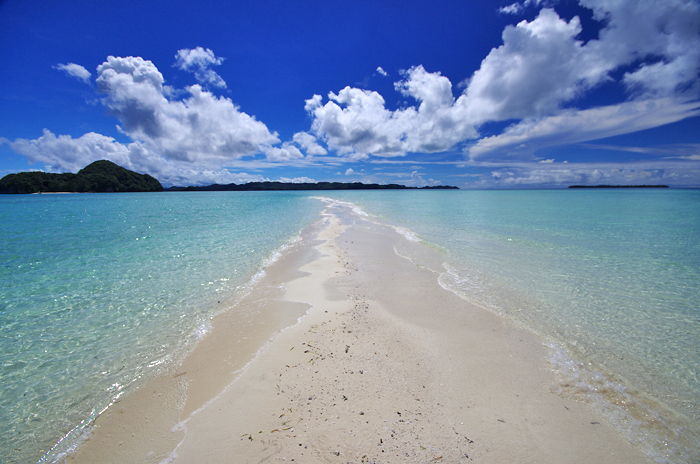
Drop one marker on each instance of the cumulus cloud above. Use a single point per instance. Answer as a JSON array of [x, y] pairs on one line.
[[513, 8], [364, 126], [309, 143], [64, 153], [519, 7], [200, 61], [648, 50], [178, 141], [287, 152], [298, 180], [381, 71], [75, 70], [202, 128], [357, 124], [541, 68], [349, 171], [542, 65]]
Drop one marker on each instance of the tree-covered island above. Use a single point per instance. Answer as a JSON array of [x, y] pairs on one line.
[[105, 176], [100, 176]]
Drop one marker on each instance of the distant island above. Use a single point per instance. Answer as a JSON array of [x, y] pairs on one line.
[[616, 186], [271, 186], [98, 177], [105, 176]]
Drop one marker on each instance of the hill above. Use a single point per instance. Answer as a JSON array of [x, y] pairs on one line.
[[100, 176]]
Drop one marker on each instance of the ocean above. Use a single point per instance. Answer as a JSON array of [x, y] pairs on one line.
[[98, 292], [609, 278]]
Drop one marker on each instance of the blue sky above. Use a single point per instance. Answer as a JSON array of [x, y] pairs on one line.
[[487, 94]]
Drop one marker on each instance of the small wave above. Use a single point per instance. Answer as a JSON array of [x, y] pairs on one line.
[[408, 234], [660, 433], [202, 331], [404, 256], [352, 206], [464, 285]]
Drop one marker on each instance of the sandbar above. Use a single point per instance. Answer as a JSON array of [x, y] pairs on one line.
[[356, 355]]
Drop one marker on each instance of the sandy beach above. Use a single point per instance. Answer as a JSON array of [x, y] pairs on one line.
[[379, 364]]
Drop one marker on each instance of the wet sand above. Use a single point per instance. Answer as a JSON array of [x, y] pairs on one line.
[[385, 367]]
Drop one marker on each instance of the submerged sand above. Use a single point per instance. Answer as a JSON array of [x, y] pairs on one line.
[[386, 366]]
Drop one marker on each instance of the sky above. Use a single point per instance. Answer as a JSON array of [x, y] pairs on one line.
[[479, 94]]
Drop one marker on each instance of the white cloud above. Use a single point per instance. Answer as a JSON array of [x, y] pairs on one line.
[[65, 154], [519, 7], [541, 69], [313, 103], [513, 8], [356, 123], [198, 58], [202, 128], [75, 70], [185, 141], [586, 175], [539, 66], [200, 61], [381, 71], [418, 181], [662, 35], [361, 128], [309, 143], [690, 151], [298, 180], [349, 171], [287, 152], [521, 140], [678, 172], [432, 90]]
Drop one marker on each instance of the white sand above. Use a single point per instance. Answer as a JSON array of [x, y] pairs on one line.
[[386, 367]]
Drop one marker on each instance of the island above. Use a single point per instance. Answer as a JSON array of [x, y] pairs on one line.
[[268, 186], [105, 177], [615, 186], [98, 177]]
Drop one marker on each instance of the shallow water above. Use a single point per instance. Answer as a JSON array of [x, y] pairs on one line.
[[99, 292], [609, 278]]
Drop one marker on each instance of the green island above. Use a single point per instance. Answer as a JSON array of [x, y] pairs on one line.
[[267, 186], [105, 176], [98, 177]]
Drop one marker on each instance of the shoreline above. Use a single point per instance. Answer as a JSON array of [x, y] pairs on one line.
[[385, 366]]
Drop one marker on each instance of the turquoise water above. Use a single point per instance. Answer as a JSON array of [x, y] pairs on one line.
[[609, 278], [99, 291]]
